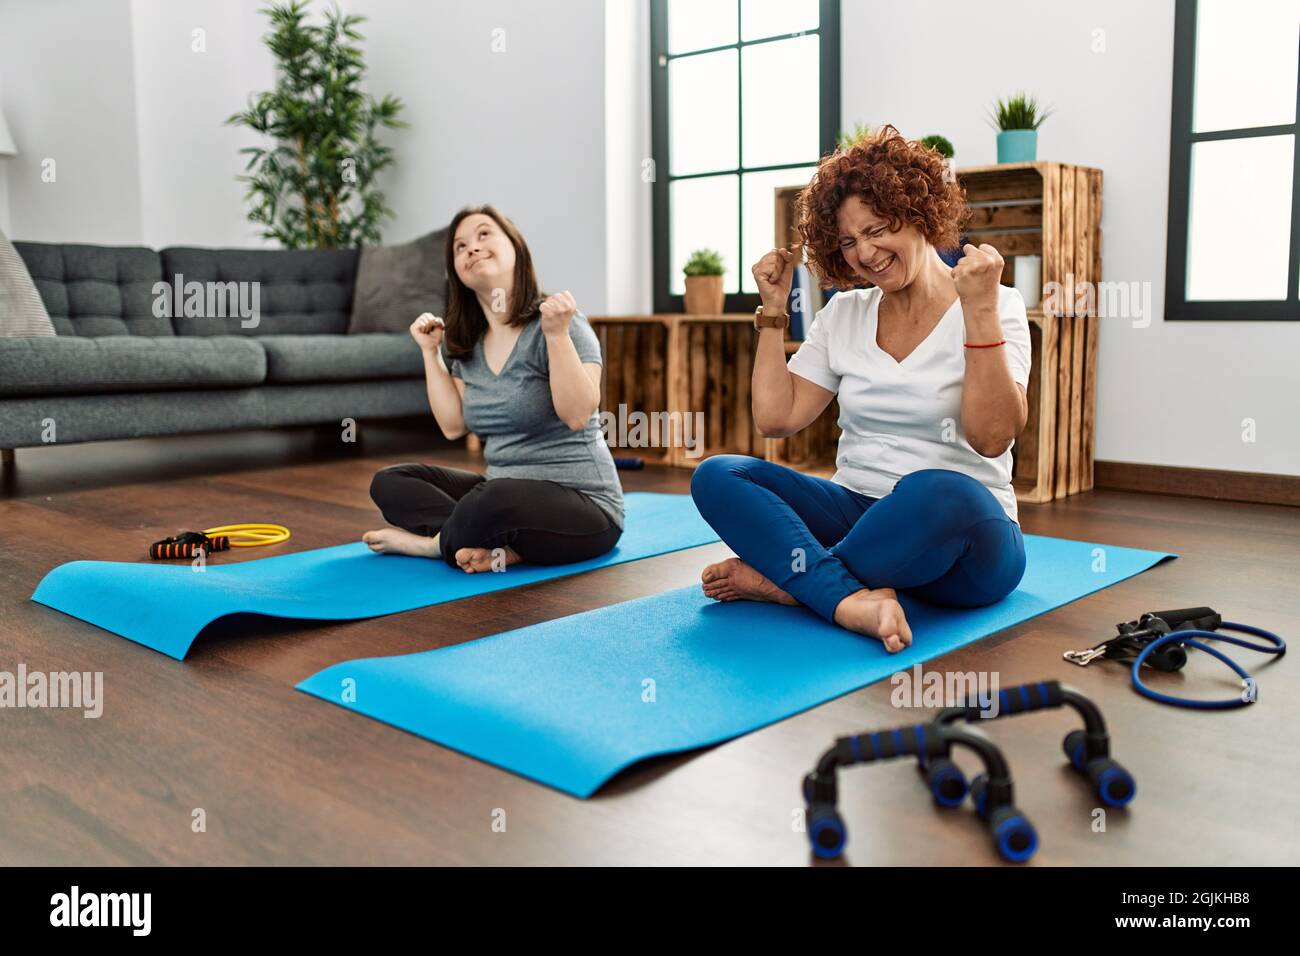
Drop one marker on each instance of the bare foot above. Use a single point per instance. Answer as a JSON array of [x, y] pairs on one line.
[[397, 541], [878, 614], [474, 560], [734, 580]]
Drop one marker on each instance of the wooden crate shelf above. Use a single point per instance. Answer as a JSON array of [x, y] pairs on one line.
[[636, 372], [709, 363], [814, 449], [693, 363], [1052, 210]]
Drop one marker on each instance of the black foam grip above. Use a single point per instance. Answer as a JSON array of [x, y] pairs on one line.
[[1022, 699], [887, 744], [1191, 618]]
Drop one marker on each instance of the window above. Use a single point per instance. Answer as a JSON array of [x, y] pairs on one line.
[[745, 100], [1234, 171]]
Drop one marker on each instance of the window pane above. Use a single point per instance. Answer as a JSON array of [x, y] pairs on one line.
[[758, 196], [770, 18], [1245, 63], [700, 24], [705, 215], [781, 109], [703, 126], [1239, 234]]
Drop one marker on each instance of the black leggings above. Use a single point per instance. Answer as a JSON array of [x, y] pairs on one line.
[[544, 522]]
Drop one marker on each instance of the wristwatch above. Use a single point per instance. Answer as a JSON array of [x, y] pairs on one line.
[[771, 320]]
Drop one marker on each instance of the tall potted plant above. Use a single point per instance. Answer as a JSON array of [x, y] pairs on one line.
[[704, 292], [1017, 119], [314, 186]]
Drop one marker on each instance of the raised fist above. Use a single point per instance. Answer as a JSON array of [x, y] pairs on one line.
[[427, 331], [978, 274], [774, 274], [556, 311]]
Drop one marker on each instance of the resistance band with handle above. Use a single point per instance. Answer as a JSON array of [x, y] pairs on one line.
[[1158, 639]]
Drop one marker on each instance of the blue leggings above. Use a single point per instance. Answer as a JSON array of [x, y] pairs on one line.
[[939, 536]]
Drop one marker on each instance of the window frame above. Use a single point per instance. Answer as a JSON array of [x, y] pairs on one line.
[[665, 301], [1181, 140]]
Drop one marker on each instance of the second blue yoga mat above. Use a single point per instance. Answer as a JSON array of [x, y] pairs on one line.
[[565, 702], [165, 606]]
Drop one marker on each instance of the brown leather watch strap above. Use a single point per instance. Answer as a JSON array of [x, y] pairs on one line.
[[764, 320]]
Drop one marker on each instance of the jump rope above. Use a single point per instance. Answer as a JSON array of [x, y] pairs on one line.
[[189, 543]]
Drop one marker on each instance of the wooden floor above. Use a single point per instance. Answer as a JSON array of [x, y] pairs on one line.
[[286, 779]]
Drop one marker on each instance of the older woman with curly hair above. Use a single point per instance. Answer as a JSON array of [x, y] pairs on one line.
[[929, 364]]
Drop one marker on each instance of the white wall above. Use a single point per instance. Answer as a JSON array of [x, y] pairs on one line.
[[629, 184], [185, 87], [135, 115], [69, 97], [523, 128], [1171, 393]]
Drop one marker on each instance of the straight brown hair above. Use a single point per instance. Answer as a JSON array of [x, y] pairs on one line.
[[466, 323]]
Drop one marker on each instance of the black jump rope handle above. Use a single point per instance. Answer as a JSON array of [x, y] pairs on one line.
[[187, 544]]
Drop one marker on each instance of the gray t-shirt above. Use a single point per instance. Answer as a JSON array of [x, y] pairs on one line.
[[522, 436]]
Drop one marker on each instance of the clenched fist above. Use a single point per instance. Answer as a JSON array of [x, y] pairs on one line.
[[774, 274], [978, 274], [427, 331], [556, 311]]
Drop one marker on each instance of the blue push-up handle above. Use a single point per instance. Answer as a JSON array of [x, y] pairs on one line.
[[1013, 835], [1088, 749]]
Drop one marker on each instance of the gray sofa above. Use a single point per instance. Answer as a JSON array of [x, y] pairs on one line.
[[119, 369]]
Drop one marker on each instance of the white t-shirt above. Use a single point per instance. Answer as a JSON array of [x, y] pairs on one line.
[[901, 417]]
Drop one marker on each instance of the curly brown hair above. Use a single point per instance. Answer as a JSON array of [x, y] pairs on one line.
[[901, 180]]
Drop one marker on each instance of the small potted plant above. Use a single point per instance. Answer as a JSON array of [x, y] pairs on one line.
[[943, 146], [704, 292], [1017, 119]]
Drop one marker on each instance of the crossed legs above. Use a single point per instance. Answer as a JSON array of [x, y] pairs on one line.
[[478, 524], [940, 536]]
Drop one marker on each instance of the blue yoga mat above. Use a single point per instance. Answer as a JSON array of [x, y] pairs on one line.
[[564, 702], [165, 606]]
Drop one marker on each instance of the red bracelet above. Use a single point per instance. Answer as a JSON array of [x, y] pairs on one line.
[[987, 345]]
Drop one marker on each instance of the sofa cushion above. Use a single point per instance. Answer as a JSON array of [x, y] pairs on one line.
[[22, 313], [341, 358], [295, 292], [70, 364], [97, 290], [397, 283]]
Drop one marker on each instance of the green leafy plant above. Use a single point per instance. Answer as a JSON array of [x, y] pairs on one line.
[[859, 132], [941, 143], [314, 186], [1018, 112], [704, 262]]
